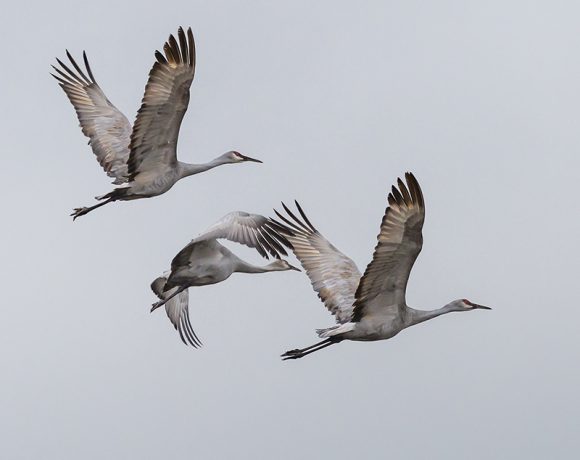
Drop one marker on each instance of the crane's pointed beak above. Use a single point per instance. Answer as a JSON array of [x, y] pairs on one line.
[[250, 158], [482, 307]]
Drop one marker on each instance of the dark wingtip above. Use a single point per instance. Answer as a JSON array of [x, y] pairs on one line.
[[160, 57], [86, 61], [61, 82], [303, 214], [414, 186], [292, 225], [397, 195]]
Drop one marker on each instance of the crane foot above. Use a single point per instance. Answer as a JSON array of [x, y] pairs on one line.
[[291, 352], [77, 212]]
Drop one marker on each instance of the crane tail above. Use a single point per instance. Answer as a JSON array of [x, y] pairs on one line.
[[117, 194], [335, 330]]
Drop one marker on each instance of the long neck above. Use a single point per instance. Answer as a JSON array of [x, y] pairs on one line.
[[418, 316], [244, 267], [189, 169]]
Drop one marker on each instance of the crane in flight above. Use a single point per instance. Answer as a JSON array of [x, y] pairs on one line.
[[371, 307], [141, 159], [205, 261]]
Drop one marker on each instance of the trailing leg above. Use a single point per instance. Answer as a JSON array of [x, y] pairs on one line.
[[77, 212], [162, 302], [120, 193], [301, 352]]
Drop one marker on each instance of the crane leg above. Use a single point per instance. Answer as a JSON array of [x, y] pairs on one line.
[[162, 302], [301, 352], [77, 212]]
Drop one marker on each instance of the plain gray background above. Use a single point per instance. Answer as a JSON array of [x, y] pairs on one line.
[[479, 99]]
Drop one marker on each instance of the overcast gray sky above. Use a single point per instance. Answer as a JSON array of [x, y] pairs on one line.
[[479, 99]]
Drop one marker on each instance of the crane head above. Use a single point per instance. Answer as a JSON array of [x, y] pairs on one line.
[[237, 157], [467, 305]]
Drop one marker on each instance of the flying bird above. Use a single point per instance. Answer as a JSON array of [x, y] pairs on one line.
[[205, 261], [141, 159], [371, 307]]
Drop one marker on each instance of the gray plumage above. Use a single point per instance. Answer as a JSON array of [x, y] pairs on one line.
[[371, 307], [205, 261], [108, 130], [143, 158]]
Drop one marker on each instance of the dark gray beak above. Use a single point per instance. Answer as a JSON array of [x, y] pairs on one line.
[[483, 307], [250, 158]]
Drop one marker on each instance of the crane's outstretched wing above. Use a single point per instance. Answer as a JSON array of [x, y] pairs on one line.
[[334, 276], [399, 243], [154, 137], [108, 130], [252, 230], [177, 310]]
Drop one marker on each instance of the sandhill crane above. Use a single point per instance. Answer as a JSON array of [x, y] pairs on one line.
[[371, 307], [142, 159], [205, 261]]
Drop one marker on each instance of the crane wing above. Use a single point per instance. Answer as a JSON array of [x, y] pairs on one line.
[[177, 310], [154, 137], [334, 276], [252, 230], [107, 128], [399, 243]]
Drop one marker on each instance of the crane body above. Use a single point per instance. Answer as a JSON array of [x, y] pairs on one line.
[[142, 159], [372, 306], [205, 261]]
